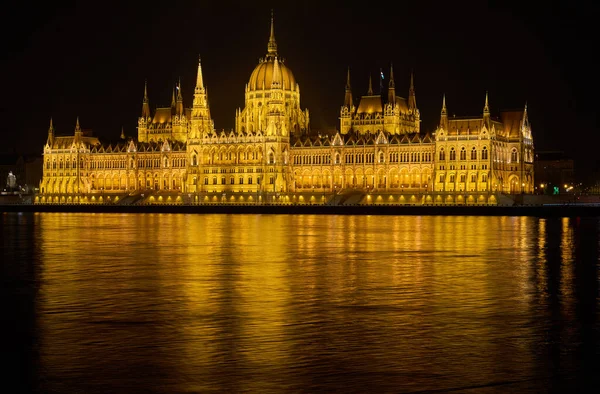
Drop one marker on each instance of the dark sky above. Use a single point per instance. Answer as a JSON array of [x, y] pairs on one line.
[[90, 59]]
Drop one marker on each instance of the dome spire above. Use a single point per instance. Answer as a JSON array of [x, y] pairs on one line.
[[272, 46]]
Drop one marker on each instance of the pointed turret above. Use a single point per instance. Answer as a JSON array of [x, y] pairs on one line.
[[77, 130], [348, 95], [370, 91], [486, 112], [199, 78], [173, 102], [50, 133], [276, 81], [122, 133], [145, 102], [201, 122], [486, 106], [272, 45], [391, 87], [444, 114], [179, 107], [412, 98]]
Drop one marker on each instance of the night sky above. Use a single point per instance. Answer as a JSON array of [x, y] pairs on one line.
[[90, 59]]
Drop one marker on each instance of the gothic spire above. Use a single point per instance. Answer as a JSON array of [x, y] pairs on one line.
[[370, 91], [145, 102], [77, 130], [391, 87], [173, 99], [179, 108], [122, 133], [348, 95], [486, 107], [276, 81], [199, 80], [50, 133], [412, 98], [272, 45], [444, 114]]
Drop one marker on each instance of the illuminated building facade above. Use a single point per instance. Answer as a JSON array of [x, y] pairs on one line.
[[379, 154]]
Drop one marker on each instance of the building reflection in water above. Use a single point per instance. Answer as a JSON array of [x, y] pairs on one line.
[[288, 303]]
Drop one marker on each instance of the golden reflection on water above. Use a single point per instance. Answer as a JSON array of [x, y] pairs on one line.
[[278, 302]]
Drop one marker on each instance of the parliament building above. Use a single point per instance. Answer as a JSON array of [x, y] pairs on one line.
[[379, 154]]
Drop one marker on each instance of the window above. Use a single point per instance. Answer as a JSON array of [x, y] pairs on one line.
[[452, 178], [442, 178], [232, 180], [442, 154], [241, 180], [214, 180], [250, 180], [484, 153], [473, 154], [271, 180], [463, 178], [513, 156], [223, 180], [473, 178], [206, 180], [452, 154], [194, 160], [271, 158], [463, 153], [484, 178]]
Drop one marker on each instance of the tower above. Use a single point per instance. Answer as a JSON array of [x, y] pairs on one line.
[[145, 118], [347, 109], [444, 114]]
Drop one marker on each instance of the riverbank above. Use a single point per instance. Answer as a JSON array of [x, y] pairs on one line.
[[549, 210]]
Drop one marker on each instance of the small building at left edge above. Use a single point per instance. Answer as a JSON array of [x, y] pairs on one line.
[[23, 170]]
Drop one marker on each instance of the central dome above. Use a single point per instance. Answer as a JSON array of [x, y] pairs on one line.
[[263, 75]]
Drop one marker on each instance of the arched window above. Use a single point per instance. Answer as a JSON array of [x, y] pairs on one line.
[[484, 153], [194, 160], [337, 158], [514, 158], [452, 154], [473, 154], [381, 157], [463, 153], [271, 158], [442, 155]]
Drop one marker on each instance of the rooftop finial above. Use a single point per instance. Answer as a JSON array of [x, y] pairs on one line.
[[272, 46], [370, 91]]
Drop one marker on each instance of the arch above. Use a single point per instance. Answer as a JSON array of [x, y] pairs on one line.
[[514, 156], [394, 178]]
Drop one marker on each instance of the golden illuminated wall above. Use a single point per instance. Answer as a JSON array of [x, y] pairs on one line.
[[484, 155], [380, 166], [462, 162], [122, 169]]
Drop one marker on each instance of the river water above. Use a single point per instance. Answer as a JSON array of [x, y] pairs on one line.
[[181, 303]]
